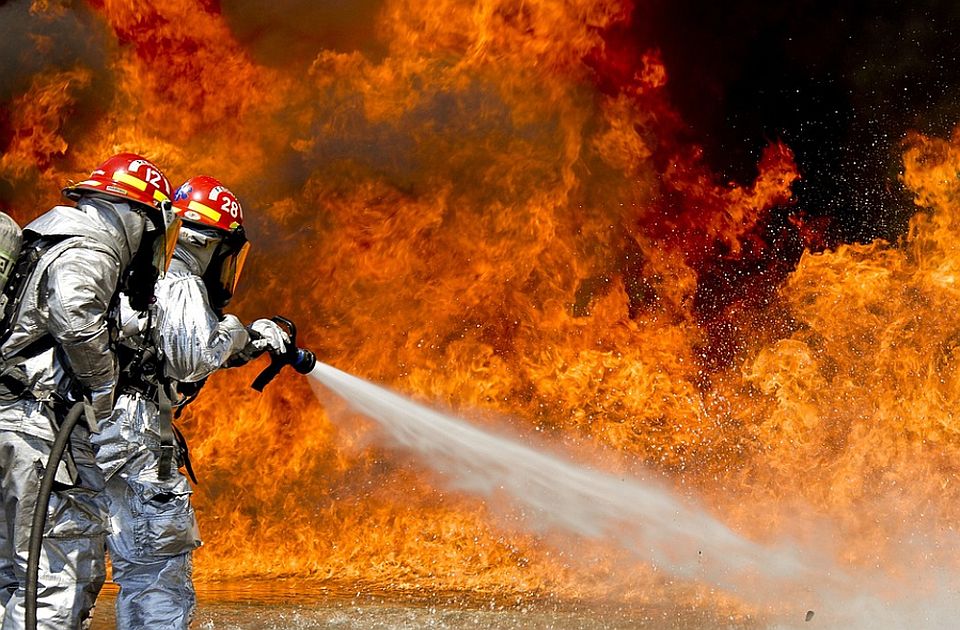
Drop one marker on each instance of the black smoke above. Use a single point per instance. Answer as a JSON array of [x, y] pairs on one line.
[[841, 82]]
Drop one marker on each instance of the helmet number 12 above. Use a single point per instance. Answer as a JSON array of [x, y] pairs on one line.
[[153, 177]]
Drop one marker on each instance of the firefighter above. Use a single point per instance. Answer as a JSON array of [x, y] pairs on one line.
[[56, 349], [165, 354]]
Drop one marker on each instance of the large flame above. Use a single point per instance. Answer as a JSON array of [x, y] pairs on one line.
[[493, 208]]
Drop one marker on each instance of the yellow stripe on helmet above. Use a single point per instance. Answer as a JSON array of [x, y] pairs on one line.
[[159, 197], [130, 180], [206, 211]]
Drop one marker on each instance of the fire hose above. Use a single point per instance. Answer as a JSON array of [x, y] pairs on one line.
[[40, 511], [300, 359]]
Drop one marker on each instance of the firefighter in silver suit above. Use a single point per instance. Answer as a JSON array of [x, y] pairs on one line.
[[186, 337], [57, 350]]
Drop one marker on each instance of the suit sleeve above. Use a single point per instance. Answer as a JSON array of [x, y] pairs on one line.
[[194, 341], [79, 286]]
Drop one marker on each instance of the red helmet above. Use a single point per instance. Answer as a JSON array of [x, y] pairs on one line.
[[204, 200], [130, 177], [127, 176]]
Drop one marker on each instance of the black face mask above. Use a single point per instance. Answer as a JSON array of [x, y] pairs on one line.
[[139, 279], [140, 276]]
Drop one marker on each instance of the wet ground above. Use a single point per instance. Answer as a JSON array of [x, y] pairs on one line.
[[259, 609]]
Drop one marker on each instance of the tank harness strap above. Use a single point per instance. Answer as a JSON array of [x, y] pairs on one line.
[[8, 379], [185, 454], [167, 447], [30, 262], [18, 389], [31, 251], [146, 370]]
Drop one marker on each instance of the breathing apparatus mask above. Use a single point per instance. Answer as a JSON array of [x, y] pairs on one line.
[[151, 260], [222, 255]]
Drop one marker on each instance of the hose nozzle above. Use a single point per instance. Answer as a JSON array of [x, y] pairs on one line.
[[300, 359], [304, 362]]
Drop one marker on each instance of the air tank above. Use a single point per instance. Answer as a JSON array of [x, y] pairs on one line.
[[11, 237]]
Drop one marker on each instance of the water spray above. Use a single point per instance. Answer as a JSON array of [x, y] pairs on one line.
[[800, 586], [642, 517]]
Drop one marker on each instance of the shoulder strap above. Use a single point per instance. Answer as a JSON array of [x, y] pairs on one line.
[[33, 248]]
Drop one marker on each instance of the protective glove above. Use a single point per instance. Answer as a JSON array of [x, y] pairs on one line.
[[266, 335]]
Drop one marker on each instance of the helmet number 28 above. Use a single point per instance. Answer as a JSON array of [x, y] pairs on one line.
[[230, 206]]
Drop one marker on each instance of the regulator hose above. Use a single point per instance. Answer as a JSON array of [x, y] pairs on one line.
[[40, 511]]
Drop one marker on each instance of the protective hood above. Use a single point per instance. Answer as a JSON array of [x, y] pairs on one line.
[[113, 224], [216, 256], [195, 249]]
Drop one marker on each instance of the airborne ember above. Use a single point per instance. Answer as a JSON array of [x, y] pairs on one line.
[[498, 207]]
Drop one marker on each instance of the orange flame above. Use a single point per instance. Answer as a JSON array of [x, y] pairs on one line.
[[475, 217]]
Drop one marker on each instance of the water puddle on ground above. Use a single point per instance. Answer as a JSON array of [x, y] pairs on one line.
[[257, 607]]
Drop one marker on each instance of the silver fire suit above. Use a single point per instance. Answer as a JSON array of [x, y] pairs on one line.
[[61, 338], [154, 527]]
